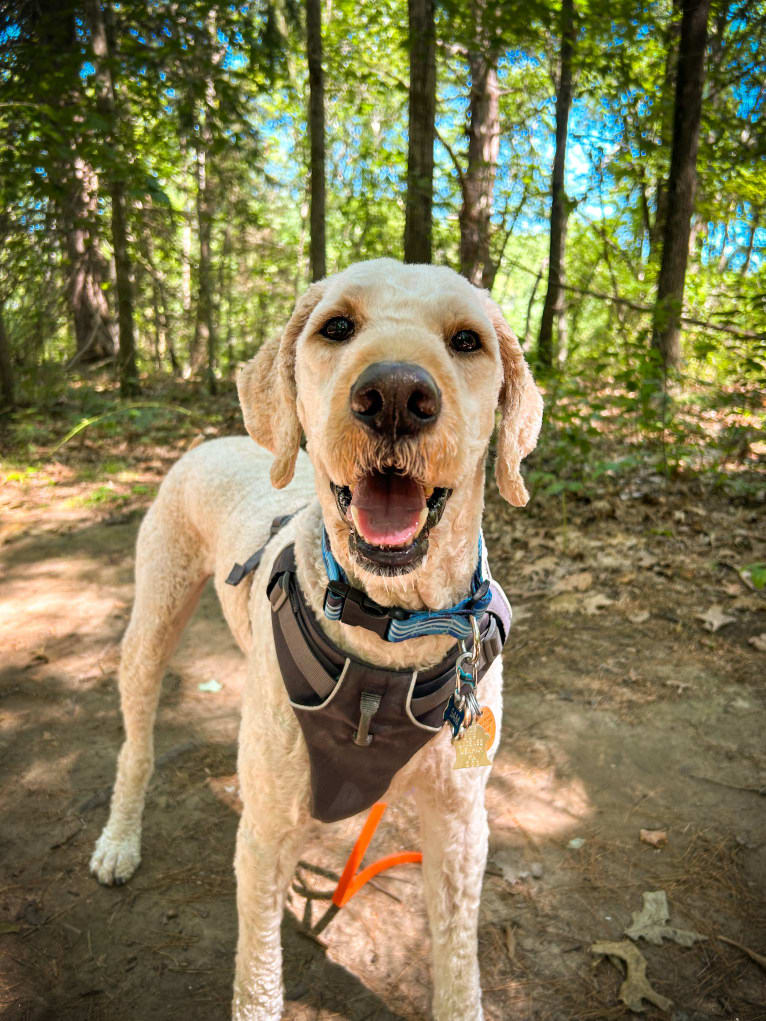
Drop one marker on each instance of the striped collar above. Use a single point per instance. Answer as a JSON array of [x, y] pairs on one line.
[[395, 624]]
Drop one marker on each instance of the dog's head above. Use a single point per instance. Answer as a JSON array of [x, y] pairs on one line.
[[393, 372]]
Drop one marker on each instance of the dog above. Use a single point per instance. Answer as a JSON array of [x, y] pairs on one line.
[[393, 373]]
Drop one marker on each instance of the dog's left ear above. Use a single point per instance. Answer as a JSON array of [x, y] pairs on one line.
[[266, 388], [521, 406]]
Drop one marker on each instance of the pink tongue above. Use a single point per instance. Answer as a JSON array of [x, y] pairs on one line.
[[388, 509]]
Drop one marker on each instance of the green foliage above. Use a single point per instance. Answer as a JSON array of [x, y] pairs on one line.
[[229, 82]]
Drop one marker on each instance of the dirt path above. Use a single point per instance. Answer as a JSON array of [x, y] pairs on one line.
[[623, 713]]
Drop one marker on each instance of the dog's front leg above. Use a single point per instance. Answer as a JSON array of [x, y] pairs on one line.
[[264, 869], [454, 835], [274, 779]]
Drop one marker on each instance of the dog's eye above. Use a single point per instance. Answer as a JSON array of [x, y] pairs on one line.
[[337, 328], [465, 341]]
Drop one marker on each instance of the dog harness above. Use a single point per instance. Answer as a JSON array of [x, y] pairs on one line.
[[361, 723]]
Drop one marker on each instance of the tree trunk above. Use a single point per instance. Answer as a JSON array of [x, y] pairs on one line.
[[666, 132], [682, 182], [483, 131], [205, 342], [87, 267], [317, 246], [422, 113], [7, 388], [553, 308], [104, 53], [76, 183]]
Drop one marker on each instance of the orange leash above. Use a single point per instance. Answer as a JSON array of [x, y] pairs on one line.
[[351, 882]]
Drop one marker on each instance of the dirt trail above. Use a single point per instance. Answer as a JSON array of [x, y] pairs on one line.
[[622, 713]]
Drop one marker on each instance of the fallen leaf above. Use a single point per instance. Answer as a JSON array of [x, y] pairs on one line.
[[510, 942], [520, 612], [567, 602], [639, 618], [577, 582], [748, 602], [758, 642], [610, 561], [650, 923], [754, 575], [714, 618], [226, 789], [636, 986], [655, 838], [596, 602], [540, 566]]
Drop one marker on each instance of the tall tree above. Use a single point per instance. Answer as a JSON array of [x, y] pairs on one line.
[[422, 113], [205, 341], [483, 130], [7, 388], [317, 243], [682, 181], [553, 308], [100, 17]]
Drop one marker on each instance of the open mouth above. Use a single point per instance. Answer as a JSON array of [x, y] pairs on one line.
[[390, 516]]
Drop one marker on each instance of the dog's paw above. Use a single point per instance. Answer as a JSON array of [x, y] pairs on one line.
[[114, 861]]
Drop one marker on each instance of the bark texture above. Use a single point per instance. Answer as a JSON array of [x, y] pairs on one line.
[[7, 388], [76, 198], [553, 308], [317, 246], [682, 181], [88, 270], [422, 111], [478, 181], [100, 18]]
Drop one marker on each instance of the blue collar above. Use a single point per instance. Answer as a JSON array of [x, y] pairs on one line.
[[393, 623]]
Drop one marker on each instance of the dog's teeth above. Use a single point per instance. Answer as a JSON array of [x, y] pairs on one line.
[[355, 517], [429, 492], [422, 520]]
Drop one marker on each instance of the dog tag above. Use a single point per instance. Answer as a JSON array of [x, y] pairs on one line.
[[454, 714], [476, 742]]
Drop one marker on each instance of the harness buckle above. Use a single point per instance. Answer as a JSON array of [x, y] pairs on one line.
[[369, 704]]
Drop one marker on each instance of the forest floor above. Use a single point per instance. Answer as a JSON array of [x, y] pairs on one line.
[[634, 701]]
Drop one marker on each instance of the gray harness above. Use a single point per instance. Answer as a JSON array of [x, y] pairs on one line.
[[361, 722]]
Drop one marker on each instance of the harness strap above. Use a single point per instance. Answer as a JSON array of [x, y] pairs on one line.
[[240, 571], [321, 661]]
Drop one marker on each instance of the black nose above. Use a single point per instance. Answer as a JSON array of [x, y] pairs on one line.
[[395, 399]]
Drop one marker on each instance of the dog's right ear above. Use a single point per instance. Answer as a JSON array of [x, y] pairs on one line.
[[266, 388]]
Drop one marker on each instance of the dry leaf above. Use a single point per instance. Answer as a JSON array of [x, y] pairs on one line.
[[656, 838], [596, 602], [714, 618], [610, 561], [758, 642], [567, 602], [510, 942], [226, 789], [748, 602], [540, 566], [636, 986], [650, 923], [638, 618], [577, 582]]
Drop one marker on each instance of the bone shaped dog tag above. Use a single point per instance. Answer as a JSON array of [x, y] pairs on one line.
[[477, 740]]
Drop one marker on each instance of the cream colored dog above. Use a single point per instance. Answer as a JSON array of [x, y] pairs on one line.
[[453, 360]]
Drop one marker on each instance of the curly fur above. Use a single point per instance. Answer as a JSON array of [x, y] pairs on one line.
[[215, 508]]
